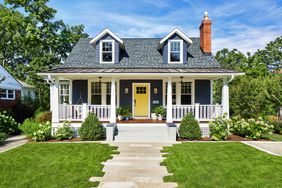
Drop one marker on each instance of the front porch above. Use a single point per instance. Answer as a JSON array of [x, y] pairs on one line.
[[72, 99]]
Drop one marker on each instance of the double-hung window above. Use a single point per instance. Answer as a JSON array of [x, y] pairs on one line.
[[173, 89], [175, 50], [107, 51], [64, 93], [186, 90], [8, 94], [96, 93]]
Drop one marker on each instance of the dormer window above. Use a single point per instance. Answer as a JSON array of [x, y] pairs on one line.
[[107, 51], [175, 50]]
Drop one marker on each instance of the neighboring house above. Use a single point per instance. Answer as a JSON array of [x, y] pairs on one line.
[[106, 72], [12, 89], [27, 91]]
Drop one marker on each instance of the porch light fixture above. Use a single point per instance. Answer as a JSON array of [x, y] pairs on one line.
[[181, 77], [126, 90]]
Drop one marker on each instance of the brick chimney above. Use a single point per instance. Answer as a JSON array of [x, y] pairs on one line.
[[205, 34]]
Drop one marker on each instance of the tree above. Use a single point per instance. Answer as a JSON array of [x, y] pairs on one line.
[[33, 41]]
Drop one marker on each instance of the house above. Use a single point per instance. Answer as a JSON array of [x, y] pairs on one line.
[[12, 89], [106, 72]]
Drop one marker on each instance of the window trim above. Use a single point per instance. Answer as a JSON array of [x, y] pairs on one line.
[[181, 51], [113, 51], [7, 94], [64, 95]]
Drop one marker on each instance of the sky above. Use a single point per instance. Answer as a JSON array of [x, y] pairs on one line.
[[246, 25]]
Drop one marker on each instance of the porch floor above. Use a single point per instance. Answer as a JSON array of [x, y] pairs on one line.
[[141, 121]]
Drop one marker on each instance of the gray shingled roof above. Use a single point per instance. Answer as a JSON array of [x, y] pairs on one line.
[[142, 70], [138, 53]]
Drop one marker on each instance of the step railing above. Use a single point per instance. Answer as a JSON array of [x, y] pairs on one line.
[[70, 112], [200, 112]]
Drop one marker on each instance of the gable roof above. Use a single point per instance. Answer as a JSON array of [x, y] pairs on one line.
[[138, 53], [103, 33], [10, 82], [179, 33], [25, 85]]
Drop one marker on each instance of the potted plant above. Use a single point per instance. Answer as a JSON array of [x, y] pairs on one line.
[[154, 114], [120, 113], [127, 113], [160, 111]]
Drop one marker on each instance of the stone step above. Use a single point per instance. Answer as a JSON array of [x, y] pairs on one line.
[[130, 184], [136, 158], [131, 163], [108, 168]]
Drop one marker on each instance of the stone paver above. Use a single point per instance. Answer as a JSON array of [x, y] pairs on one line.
[[274, 148], [12, 142], [137, 166]]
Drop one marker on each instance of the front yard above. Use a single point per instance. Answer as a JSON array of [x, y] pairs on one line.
[[222, 165], [52, 164]]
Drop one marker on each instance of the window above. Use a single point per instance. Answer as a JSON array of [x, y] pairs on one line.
[[64, 93], [173, 85], [186, 93], [96, 97], [8, 94], [141, 90], [175, 48], [106, 51]]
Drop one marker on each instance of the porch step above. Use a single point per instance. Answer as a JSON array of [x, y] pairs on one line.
[[142, 132]]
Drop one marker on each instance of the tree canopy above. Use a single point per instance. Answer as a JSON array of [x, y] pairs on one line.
[[31, 40]]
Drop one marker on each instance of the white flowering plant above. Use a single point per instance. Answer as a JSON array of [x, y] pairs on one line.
[[43, 133], [219, 128], [65, 132], [250, 128]]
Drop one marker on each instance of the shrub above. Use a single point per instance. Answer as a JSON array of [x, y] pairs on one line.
[[277, 127], [189, 128], [250, 128], [219, 128], [91, 128], [3, 136], [43, 117], [65, 132], [8, 125], [29, 126], [43, 133]]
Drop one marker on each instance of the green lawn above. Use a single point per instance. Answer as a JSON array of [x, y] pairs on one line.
[[52, 165], [275, 137], [222, 165]]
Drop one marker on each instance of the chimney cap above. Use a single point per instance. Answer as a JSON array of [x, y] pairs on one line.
[[206, 15]]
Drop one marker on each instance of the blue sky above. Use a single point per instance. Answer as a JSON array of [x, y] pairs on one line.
[[243, 24]]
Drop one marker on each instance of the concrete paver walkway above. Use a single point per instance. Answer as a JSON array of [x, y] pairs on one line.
[[12, 142], [274, 148], [137, 166]]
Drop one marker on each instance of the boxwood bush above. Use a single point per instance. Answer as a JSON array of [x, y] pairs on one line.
[[91, 128], [250, 128], [29, 126], [189, 128], [219, 128], [65, 132]]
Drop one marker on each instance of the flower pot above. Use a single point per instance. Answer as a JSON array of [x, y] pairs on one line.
[[120, 117], [160, 117], [154, 116]]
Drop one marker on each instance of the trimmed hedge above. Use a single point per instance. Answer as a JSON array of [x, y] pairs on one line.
[[189, 128], [91, 128]]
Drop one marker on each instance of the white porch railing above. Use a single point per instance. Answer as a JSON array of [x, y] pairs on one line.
[[80, 112], [201, 112]]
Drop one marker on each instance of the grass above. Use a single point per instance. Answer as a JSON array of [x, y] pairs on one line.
[[222, 165], [53, 165], [275, 137]]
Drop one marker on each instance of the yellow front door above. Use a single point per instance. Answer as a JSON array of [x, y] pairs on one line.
[[141, 100]]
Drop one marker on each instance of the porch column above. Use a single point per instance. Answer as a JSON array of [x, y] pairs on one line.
[[225, 96], [113, 101], [169, 102], [55, 101]]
